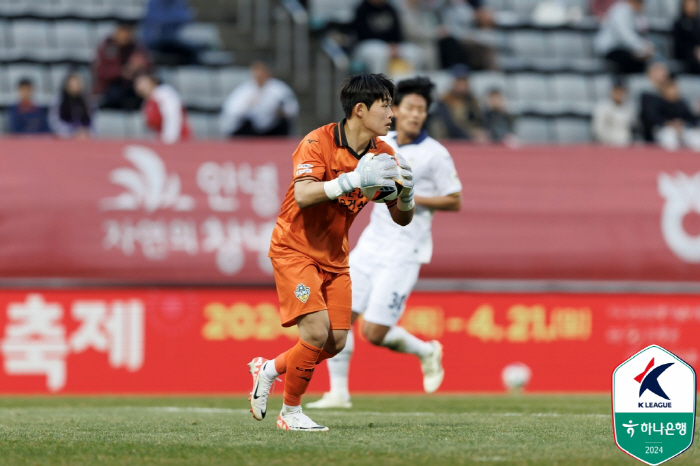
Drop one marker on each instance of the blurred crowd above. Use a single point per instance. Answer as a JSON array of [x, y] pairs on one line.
[[388, 36]]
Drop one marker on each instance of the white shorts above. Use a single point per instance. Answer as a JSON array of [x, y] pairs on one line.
[[380, 289]]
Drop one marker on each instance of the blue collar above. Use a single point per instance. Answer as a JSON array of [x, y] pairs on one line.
[[420, 138]]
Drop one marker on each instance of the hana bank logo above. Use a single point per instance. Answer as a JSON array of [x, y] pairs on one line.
[[147, 185], [682, 194], [649, 380]]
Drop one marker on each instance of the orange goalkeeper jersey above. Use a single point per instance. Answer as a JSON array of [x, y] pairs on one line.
[[321, 231]]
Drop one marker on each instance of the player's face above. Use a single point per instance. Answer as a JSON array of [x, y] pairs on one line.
[[378, 117], [411, 114]]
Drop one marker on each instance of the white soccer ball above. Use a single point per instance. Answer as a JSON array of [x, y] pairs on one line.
[[382, 194], [516, 376]]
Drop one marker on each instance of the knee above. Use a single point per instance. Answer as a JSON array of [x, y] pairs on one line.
[[339, 346], [375, 334], [316, 336]]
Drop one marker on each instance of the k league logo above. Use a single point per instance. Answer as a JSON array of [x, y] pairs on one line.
[[653, 398]]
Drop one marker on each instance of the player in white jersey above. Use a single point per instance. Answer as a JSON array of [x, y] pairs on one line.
[[385, 263]]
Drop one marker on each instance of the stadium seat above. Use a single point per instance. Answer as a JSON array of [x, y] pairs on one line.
[[136, 127], [230, 77], [690, 88], [532, 130], [571, 45], [524, 8], [37, 73], [342, 11], [74, 40], [483, 81], [571, 91], [572, 130], [204, 125], [7, 92], [204, 35], [56, 75], [528, 92], [197, 87], [4, 43], [529, 44], [30, 41], [499, 5], [111, 124], [101, 31], [600, 85]]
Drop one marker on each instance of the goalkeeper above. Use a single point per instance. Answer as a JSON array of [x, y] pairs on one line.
[[309, 247]]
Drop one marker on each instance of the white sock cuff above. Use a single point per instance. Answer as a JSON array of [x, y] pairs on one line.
[[269, 369]]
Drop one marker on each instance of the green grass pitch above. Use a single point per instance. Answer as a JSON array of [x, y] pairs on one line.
[[379, 430]]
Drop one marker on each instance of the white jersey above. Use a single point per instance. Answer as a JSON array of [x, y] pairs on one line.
[[434, 174]]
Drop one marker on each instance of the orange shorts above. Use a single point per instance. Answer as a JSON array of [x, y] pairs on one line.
[[303, 287]]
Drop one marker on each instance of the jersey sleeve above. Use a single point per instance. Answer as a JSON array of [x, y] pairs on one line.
[[445, 175], [383, 147], [308, 160]]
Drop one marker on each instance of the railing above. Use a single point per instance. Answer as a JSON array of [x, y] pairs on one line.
[[332, 65], [292, 42], [255, 14]]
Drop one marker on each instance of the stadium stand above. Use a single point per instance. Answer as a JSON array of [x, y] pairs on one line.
[[547, 73]]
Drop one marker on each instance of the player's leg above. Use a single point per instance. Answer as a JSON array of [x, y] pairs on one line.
[[361, 267], [299, 282], [384, 309], [338, 368]]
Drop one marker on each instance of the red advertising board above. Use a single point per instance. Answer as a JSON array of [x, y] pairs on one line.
[[202, 213], [199, 340]]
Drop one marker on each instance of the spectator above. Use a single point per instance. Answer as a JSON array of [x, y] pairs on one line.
[[119, 59], [686, 36], [161, 26], [675, 123], [381, 43], [71, 115], [422, 27], [497, 121], [462, 42], [613, 117], [25, 117], [621, 37], [483, 15], [649, 101], [162, 110], [458, 115], [260, 106]]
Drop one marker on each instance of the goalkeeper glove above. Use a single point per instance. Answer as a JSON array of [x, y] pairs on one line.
[[379, 170]]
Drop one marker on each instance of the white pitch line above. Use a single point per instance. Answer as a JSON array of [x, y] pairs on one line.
[[177, 409]]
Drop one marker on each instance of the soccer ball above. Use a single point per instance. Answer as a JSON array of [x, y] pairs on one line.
[[516, 376], [382, 194]]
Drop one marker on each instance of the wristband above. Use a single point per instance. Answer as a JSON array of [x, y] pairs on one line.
[[332, 189], [406, 205]]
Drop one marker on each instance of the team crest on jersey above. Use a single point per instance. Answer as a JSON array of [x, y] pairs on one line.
[[302, 292]]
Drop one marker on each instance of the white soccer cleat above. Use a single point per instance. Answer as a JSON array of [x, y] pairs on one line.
[[298, 421], [261, 388], [433, 373], [331, 400]]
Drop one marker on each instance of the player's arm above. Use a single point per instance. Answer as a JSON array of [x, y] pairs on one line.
[[309, 192], [404, 208], [401, 217], [450, 203], [379, 171]]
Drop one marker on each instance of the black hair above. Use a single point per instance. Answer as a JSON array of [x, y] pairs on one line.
[[25, 82], [419, 85], [366, 89]]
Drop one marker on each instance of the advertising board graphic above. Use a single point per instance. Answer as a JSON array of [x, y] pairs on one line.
[[199, 340]]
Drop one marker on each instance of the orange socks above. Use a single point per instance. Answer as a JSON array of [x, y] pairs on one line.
[[323, 356], [299, 363]]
